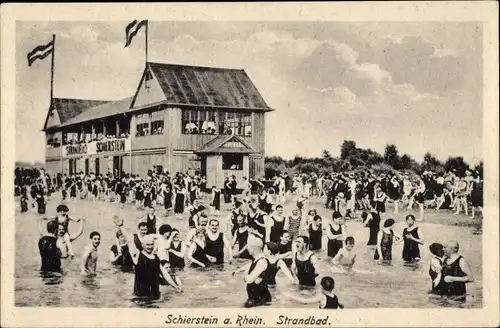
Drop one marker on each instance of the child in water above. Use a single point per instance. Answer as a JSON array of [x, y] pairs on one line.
[[345, 258], [412, 239], [89, 256], [62, 218], [385, 240], [326, 298], [436, 267]]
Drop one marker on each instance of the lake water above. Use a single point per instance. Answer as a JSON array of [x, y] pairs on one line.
[[374, 286]]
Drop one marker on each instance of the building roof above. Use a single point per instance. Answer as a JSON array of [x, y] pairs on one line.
[[69, 108], [184, 86], [216, 146], [103, 110], [207, 86]]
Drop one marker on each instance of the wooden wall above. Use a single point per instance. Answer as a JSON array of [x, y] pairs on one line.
[[141, 163], [256, 167], [53, 153]]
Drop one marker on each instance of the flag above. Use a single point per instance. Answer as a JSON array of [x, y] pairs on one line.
[[40, 52], [132, 29]]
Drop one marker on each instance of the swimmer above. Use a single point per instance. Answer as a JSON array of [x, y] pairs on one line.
[[170, 278], [255, 276], [326, 298], [276, 264], [436, 269], [50, 253], [304, 263], [176, 252], [216, 242], [120, 254], [345, 258], [61, 243], [63, 218], [89, 256]]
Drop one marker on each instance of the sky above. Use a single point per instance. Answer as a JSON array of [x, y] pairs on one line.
[[415, 85]]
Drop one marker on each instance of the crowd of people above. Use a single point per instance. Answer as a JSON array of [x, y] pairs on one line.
[[257, 229]]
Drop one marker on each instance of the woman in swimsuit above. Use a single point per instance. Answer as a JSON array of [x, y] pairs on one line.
[[304, 263], [255, 276], [196, 253], [276, 264]]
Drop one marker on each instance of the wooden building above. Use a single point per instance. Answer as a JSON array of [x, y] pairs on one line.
[[181, 118]]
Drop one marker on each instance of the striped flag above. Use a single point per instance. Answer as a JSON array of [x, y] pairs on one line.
[[132, 29], [40, 52]]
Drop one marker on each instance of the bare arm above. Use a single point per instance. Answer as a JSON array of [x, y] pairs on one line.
[[228, 246], [254, 275], [85, 256], [243, 268], [286, 271], [190, 257], [79, 232]]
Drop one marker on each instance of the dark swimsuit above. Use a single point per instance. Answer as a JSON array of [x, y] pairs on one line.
[[306, 273], [258, 293]]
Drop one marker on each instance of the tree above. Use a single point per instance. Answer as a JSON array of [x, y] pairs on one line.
[[347, 147], [404, 162], [430, 161], [327, 156], [456, 163], [479, 169], [391, 155]]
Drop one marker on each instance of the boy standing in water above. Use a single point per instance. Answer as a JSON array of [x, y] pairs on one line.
[[346, 257], [89, 256], [326, 298]]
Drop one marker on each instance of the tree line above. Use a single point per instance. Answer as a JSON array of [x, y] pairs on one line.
[[354, 159]]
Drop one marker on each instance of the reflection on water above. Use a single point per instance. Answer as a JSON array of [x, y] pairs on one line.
[[369, 285]]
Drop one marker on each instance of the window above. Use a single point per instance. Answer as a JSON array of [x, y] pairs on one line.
[[157, 127], [198, 122], [235, 123], [142, 130], [150, 123], [142, 127], [53, 140], [232, 162], [157, 122]]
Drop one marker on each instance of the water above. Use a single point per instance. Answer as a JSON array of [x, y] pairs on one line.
[[373, 286]]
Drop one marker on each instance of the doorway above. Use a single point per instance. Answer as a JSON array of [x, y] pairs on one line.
[[203, 166], [118, 165], [96, 168], [87, 164]]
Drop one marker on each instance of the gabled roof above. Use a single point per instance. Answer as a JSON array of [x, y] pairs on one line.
[[69, 108], [216, 146], [207, 86], [103, 110]]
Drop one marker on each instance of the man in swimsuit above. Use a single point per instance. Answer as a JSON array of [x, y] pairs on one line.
[[457, 272], [89, 256], [216, 241]]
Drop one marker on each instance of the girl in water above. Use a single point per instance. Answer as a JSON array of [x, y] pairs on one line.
[[176, 252], [120, 254], [196, 253], [304, 263], [294, 224], [63, 218], [240, 237], [326, 298], [412, 238], [385, 240], [436, 268], [371, 220], [276, 264]]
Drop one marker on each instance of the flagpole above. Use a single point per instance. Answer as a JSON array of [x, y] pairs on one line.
[[52, 69], [146, 40]]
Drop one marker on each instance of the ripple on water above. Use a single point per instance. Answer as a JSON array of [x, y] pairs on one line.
[[371, 285]]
